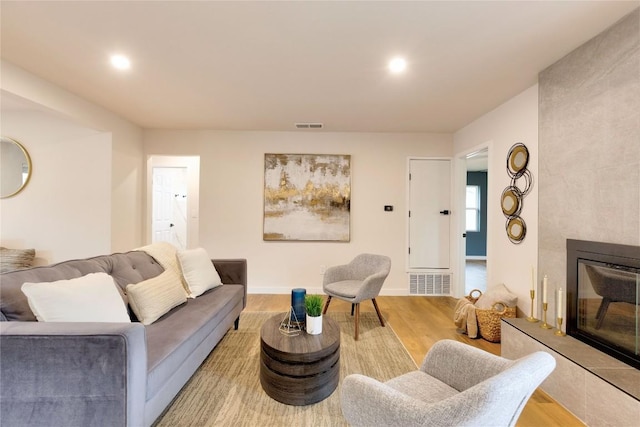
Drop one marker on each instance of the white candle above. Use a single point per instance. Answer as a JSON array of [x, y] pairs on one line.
[[560, 303], [544, 289], [533, 280]]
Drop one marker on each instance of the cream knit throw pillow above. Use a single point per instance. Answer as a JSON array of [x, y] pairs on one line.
[[166, 255], [152, 298]]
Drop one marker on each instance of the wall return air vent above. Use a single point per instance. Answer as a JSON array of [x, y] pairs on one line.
[[309, 125], [429, 284]]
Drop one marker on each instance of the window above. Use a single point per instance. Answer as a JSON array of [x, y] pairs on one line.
[[473, 208]]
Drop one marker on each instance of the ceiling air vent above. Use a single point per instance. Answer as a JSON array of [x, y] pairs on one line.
[[309, 125]]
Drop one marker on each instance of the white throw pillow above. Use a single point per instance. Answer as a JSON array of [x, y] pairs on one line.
[[198, 271], [90, 298], [497, 293], [152, 298]]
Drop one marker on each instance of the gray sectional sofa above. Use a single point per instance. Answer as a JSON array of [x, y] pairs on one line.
[[106, 374]]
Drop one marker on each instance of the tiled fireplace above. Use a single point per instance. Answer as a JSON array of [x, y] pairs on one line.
[[597, 388], [588, 180], [597, 376]]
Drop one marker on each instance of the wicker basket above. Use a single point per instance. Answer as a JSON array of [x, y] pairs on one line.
[[489, 320], [473, 299]]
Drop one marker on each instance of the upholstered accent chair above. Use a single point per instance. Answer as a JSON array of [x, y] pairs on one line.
[[457, 385], [357, 281]]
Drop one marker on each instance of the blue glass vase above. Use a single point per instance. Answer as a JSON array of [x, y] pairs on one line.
[[297, 302]]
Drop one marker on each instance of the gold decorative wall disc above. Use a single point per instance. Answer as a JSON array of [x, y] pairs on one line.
[[516, 229], [518, 158], [510, 202]]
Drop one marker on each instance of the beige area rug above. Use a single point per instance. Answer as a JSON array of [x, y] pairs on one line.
[[226, 390]]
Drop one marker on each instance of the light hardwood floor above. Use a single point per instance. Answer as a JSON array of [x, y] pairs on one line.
[[421, 321]]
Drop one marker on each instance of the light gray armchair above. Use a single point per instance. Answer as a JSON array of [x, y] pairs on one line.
[[357, 281], [457, 385]]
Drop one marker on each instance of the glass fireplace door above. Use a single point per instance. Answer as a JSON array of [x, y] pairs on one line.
[[609, 306]]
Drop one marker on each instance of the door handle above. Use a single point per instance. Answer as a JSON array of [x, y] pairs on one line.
[[445, 212]]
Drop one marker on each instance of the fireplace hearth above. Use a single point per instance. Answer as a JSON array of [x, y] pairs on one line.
[[603, 297]]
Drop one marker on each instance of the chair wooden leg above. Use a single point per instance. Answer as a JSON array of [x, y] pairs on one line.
[[375, 305], [326, 305], [352, 306], [357, 319]]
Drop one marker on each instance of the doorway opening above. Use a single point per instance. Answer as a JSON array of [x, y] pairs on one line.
[[173, 200], [475, 227]]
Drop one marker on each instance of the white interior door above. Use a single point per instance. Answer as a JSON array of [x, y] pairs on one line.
[[169, 220], [173, 200], [429, 213]]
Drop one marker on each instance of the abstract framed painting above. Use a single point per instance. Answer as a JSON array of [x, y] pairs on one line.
[[307, 197]]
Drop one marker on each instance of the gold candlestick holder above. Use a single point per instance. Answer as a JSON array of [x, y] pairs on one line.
[[545, 325], [559, 331], [531, 318]]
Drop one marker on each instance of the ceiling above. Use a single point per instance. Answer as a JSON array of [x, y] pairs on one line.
[[263, 65]]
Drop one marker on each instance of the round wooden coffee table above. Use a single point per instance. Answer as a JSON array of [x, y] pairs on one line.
[[302, 369]]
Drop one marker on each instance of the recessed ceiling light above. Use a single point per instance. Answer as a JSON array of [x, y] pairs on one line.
[[397, 65], [120, 62]]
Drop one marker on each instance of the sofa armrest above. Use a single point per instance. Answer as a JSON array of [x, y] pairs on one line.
[[72, 374], [233, 272]]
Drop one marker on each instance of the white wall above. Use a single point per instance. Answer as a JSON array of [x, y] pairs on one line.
[[126, 148], [231, 199], [64, 212], [232, 185], [514, 121]]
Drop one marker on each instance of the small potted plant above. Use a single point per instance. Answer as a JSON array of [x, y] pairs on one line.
[[313, 306]]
